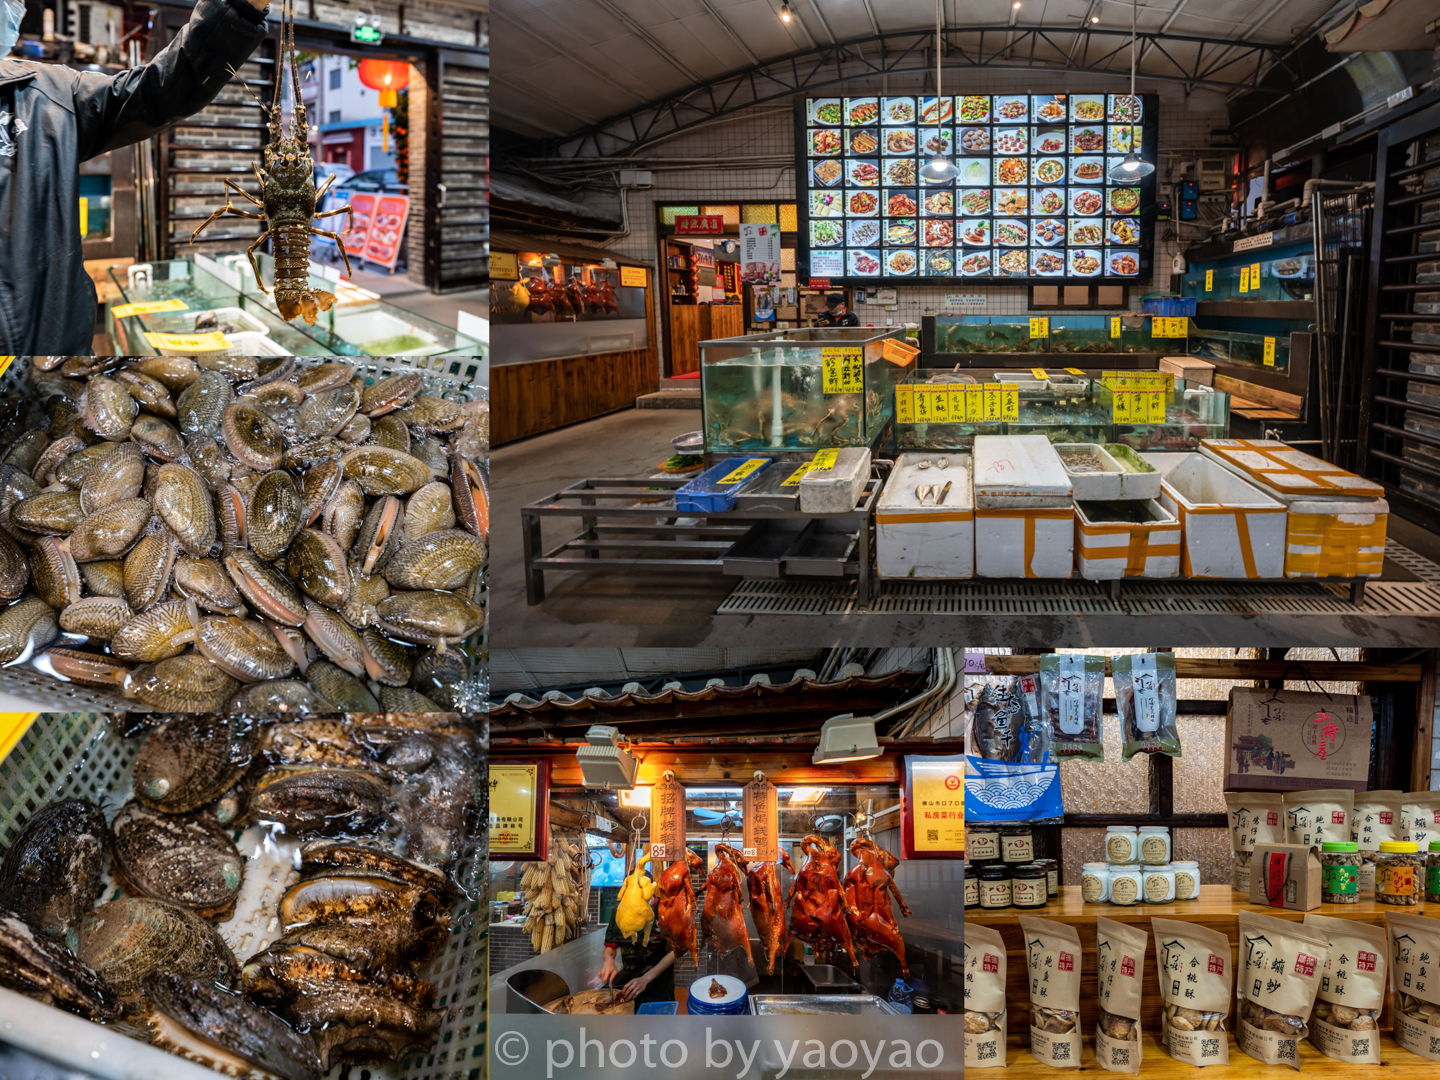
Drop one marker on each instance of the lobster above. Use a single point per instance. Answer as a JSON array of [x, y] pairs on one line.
[[289, 196]]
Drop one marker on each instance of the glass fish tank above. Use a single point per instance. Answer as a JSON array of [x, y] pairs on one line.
[[1137, 335], [1063, 408], [1237, 347], [1192, 412], [801, 389], [1083, 334], [986, 334]]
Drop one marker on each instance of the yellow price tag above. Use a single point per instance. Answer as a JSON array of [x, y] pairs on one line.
[[1075, 371], [795, 477], [84, 216], [955, 403], [1209, 280], [1244, 279], [1178, 326], [844, 370], [149, 307], [1121, 400], [1039, 373], [1040, 328], [975, 404], [188, 342], [905, 404], [741, 471], [940, 405], [1254, 276], [1269, 352], [1114, 325], [825, 459], [1010, 404]]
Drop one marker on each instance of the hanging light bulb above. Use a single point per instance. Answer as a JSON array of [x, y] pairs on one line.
[[785, 13], [1132, 168], [939, 169]]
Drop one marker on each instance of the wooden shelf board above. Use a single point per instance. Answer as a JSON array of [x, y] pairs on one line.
[[1197, 668]]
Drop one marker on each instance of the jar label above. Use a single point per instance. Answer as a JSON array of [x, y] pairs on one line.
[[1052, 882], [1019, 848], [1124, 890], [1155, 850], [1185, 888], [1027, 894], [1341, 879], [1157, 888], [1395, 880], [1367, 877], [995, 894], [983, 845], [972, 893], [1432, 881], [1092, 889], [1120, 849]]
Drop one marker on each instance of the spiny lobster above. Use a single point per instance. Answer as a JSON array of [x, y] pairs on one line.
[[287, 182]]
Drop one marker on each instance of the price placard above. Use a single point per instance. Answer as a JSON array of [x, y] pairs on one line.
[[149, 307], [1209, 280], [905, 404], [1269, 352], [1170, 327], [844, 367], [1040, 328], [761, 818], [741, 471], [1244, 279], [975, 405], [1074, 371], [1139, 397], [1114, 326], [188, 343], [940, 404], [1254, 276], [825, 459], [667, 820], [632, 277]]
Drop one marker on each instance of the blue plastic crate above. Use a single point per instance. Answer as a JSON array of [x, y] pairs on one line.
[[658, 1008], [1169, 306], [706, 495]]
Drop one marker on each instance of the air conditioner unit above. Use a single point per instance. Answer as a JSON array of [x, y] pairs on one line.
[[94, 24]]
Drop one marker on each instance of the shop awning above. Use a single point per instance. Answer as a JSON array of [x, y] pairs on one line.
[[530, 208], [566, 249]]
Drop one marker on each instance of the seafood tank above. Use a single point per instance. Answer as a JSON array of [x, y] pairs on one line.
[[801, 389], [1192, 412], [1064, 408], [1237, 346], [1067, 333], [167, 507], [280, 899], [985, 334]]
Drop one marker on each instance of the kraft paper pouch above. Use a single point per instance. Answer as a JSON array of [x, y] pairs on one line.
[[1120, 971], [1414, 987], [1193, 964], [1345, 1024], [1378, 816], [1052, 959], [984, 998], [1313, 817], [1072, 693], [1280, 967], [1255, 817], [1145, 697], [1422, 817]]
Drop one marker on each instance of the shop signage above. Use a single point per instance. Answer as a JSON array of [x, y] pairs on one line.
[[700, 225], [975, 404], [844, 369], [1250, 243], [1139, 397], [519, 810], [761, 809], [504, 266], [667, 816], [819, 283], [632, 277], [379, 227], [1269, 352], [959, 300], [932, 811], [760, 253], [149, 307]]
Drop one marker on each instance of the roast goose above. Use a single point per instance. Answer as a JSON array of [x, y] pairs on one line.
[[675, 915], [868, 886], [820, 914], [767, 907], [724, 919]]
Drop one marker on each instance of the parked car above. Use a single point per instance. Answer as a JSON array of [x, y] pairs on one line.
[[341, 172], [376, 180]]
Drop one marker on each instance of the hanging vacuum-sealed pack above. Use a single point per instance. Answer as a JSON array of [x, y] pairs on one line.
[[1072, 692], [1145, 697]]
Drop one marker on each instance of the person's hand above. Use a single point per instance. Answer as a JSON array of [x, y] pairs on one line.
[[608, 971], [634, 988]]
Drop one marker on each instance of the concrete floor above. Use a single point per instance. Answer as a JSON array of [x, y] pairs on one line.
[[631, 608]]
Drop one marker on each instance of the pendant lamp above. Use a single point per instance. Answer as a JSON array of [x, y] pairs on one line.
[[939, 169], [1132, 168]]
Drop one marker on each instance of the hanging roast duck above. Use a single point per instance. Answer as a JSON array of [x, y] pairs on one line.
[[724, 919], [676, 914], [820, 914], [868, 886]]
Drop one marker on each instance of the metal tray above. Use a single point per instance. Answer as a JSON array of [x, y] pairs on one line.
[[822, 550], [760, 553], [820, 1005]]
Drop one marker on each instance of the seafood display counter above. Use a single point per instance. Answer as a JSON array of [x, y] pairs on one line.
[[965, 341], [279, 899], [163, 304]]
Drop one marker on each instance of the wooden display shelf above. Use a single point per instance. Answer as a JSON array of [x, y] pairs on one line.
[[1217, 908], [1156, 1064]]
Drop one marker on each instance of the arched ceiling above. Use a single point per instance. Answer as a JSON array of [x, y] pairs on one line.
[[609, 76]]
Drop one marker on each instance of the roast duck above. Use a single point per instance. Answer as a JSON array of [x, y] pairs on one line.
[[724, 919], [676, 913], [767, 906], [820, 913], [868, 886]]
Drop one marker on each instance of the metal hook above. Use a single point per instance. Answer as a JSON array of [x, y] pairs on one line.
[[640, 823]]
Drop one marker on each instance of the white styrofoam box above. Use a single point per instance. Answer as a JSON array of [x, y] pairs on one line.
[[1108, 484], [926, 541], [1229, 528], [1017, 471], [1141, 480], [1106, 549], [1025, 542], [836, 489]]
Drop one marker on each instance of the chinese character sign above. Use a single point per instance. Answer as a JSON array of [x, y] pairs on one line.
[[667, 822], [761, 807], [760, 254], [933, 810], [519, 801]]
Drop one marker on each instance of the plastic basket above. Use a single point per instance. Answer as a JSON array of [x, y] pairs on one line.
[[1169, 306], [81, 755], [702, 496], [460, 380]]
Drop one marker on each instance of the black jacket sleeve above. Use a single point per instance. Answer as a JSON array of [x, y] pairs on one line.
[[186, 75]]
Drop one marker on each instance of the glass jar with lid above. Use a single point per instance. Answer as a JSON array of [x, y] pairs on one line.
[[1052, 876], [1122, 845], [995, 885], [1398, 874], [972, 886], [1017, 844], [1159, 884], [1126, 884], [1095, 882], [1027, 886], [1187, 880], [1340, 872], [1155, 845], [982, 844]]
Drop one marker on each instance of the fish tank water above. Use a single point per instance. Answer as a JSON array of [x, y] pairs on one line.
[[1068, 333], [1287, 274], [1192, 412], [769, 391], [1083, 334], [1063, 408], [1235, 346], [986, 334]]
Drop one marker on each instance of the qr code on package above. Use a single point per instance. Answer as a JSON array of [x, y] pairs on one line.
[[1060, 1051], [1120, 1057], [1434, 1047], [933, 835], [1209, 1048], [1360, 1047], [987, 1050], [1285, 1050]]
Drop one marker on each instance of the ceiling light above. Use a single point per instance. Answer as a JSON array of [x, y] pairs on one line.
[[847, 738], [807, 796], [785, 12], [939, 169], [1094, 18], [1132, 168], [635, 798], [1016, 5], [604, 762]]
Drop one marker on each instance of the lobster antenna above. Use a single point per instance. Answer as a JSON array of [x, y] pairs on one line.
[[299, 114], [248, 90], [276, 117]]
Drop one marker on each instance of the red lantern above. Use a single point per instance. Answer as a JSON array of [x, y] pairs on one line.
[[387, 76]]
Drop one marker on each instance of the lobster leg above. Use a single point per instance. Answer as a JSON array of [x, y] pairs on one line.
[[325, 187], [250, 254], [226, 209], [233, 184], [339, 243]]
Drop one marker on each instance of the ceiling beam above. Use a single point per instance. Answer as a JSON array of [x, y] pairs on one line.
[[709, 7], [644, 35], [549, 42]]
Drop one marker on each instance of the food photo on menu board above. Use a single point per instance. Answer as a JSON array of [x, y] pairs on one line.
[[1032, 198]]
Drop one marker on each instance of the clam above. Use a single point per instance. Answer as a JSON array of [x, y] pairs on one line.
[[117, 477], [150, 394], [14, 569], [278, 697], [147, 570], [341, 689], [273, 516], [14, 486], [432, 454], [130, 940], [236, 368], [191, 761], [316, 563], [96, 617], [390, 394], [110, 531], [226, 1032], [252, 436], [404, 699], [379, 534], [318, 486], [428, 618], [209, 461], [108, 409], [202, 404], [53, 573], [356, 429], [440, 676], [69, 461], [274, 399], [323, 377], [52, 872], [183, 859], [40, 968], [51, 513], [243, 648], [85, 668], [230, 517], [105, 577], [323, 414], [366, 590], [344, 513], [444, 559], [187, 683], [305, 454], [183, 503], [176, 372], [386, 661], [154, 634], [269, 592], [429, 510], [390, 431], [159, 439], [432, 415], [320, 801], [205, 582], [472, 502], [336, 638], [26, 451], [381, 471]]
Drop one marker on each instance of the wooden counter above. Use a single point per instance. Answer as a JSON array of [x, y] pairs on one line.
[[1217, 908]]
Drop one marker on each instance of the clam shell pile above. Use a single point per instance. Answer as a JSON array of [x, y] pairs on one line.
[[245, 535]]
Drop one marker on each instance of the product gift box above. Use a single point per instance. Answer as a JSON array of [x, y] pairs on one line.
[[1288, 740], [1286, 876]]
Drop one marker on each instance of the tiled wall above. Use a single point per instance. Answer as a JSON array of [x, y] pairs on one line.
[[753, 156]]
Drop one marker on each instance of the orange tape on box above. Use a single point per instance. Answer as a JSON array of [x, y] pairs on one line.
[[1242, 530], [1341, 545], [1030, 516], [919, 519]]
